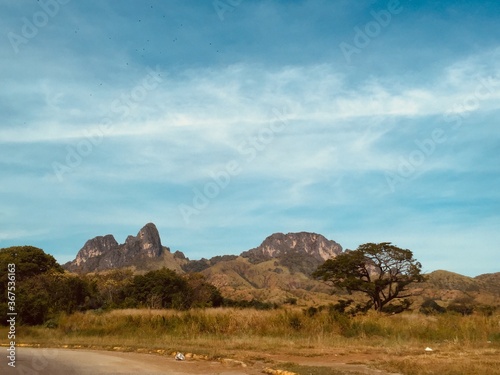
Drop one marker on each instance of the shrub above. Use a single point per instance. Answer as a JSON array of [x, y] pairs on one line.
[[430, 306], [461, 308], [397, 308], [341, 305], [311, 311], [486, 310], [295, 322]]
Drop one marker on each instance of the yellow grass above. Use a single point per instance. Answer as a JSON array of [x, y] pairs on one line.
[[461, 345]]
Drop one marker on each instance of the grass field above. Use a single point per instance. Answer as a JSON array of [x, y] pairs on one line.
[[305, 341]]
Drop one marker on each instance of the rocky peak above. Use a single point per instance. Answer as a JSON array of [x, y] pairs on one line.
[[95, 247], [303, 251], [103, 252], [146, 242], [312, 244]]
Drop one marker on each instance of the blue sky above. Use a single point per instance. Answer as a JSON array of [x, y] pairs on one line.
[[225, 121]]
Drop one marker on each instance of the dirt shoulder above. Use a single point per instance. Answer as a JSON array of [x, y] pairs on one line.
[[45, 361]]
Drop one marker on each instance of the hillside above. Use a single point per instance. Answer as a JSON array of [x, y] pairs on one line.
[[449, 286]]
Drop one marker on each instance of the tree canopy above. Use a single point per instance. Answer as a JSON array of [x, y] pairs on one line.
[[29, 260], [381, 271], [42, 289]]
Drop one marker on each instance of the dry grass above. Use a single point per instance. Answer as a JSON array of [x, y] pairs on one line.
[[462, 345], [467, 361]]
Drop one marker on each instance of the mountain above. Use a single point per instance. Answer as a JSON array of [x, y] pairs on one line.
[[277, 270], [143, 251], [300, 252]]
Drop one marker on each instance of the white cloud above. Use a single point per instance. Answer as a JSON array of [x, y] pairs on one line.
[[230, 98]]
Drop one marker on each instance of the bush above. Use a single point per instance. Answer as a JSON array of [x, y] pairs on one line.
[[253, 304], [341, 305], [295, 322], [311, 311], [430, 306], [486, 310], [461, 308]]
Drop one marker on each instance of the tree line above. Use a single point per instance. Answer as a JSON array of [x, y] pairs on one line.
[[44, 289]]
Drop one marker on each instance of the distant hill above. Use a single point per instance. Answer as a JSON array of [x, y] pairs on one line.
[[448, 286], [275, 271]]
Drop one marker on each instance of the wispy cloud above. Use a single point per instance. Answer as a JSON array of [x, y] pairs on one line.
[[75, 98]]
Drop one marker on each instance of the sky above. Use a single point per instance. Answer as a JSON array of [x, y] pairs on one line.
[[225, 121]]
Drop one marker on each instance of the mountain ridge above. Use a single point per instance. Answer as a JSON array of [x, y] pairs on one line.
[[104, 252], [276, 270]]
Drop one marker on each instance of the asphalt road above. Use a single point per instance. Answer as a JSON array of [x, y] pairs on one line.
[[31, 361]]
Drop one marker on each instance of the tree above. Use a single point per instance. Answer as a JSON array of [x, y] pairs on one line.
[[202, 293], [381, 271], [42, 289], [158, 289], [29, 261], [31, 301]]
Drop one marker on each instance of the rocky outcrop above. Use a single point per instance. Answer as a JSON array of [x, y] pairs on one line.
[[300, 252], [103, 252], [147, 243], [94, 248]]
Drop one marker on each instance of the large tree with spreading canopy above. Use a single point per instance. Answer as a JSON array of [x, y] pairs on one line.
[[381, 271]]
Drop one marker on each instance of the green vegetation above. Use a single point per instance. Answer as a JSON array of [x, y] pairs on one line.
[[44, 290], [165, 289], [30, 261], [381, 271], [429, 306]]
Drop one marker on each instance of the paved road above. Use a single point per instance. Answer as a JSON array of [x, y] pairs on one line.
[[31, 361]]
